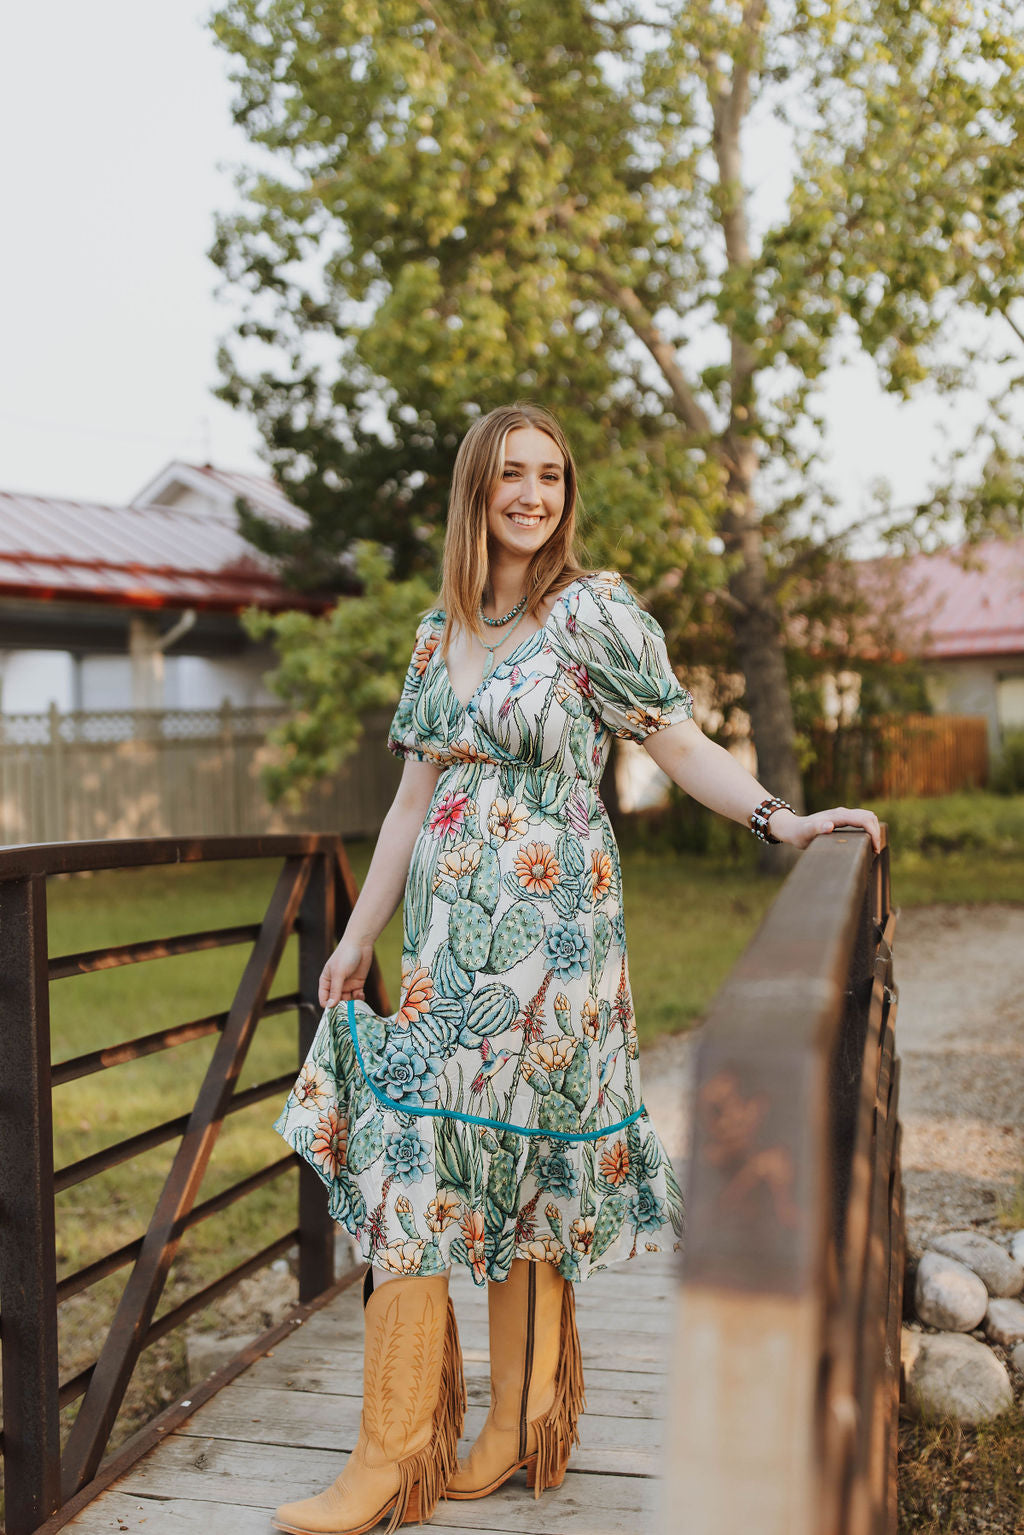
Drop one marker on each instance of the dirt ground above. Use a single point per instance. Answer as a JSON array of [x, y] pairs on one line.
[[960, 1039], [960, 1036]]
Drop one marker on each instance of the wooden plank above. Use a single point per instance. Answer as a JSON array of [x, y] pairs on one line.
[[223, 1473], [554, 1514], [341, 1375], [262, 1415], [609, 1444], [742, 1436], [644, 1353]]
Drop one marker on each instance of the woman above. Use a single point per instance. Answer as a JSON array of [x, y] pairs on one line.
[[496, 1120]]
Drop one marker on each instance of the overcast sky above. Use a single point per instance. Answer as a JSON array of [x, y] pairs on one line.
[[115, 122]]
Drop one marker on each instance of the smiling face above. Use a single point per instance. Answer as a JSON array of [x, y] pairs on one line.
[[526, 504]]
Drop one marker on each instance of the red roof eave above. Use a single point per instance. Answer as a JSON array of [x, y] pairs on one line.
[[159, 586]]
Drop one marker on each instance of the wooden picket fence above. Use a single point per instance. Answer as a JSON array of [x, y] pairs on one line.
[[92, 774], [897, 756]]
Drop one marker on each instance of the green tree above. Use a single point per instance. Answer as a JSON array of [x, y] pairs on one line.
[[336, 669], [474, 200]]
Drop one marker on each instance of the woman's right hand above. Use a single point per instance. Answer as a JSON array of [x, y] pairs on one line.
[[344, 974]]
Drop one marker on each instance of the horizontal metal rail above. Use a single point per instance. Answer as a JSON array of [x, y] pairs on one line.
[[75, 1283], [79, 1384], [164, 1039], [91, 960], [123, 1151]]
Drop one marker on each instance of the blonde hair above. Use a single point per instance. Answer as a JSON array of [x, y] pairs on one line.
[[478, 467]]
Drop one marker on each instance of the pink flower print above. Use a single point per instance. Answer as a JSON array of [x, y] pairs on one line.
[[576, 814], [581, 677], [449, 813]]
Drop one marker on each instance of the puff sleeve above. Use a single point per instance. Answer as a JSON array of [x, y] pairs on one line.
[[403, 740], [615, 653]]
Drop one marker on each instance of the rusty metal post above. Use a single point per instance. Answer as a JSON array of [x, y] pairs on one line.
[[28, 1280], [316, 927]]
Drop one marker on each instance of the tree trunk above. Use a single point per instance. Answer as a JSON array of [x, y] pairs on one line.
[[761, 653]]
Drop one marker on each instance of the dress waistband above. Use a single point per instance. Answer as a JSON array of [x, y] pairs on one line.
[[517, 769]]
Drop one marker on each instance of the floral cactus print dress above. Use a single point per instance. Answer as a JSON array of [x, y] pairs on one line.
[[498, 1113]]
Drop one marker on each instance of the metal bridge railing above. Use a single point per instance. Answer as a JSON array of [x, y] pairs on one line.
[[313, 897]]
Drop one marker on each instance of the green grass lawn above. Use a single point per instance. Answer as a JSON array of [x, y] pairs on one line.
[[687, 920]]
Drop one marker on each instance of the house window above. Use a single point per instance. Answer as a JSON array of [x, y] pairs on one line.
[[1010, 703]]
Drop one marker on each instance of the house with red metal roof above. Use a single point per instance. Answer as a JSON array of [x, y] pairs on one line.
[[963, 615], [137, 606]]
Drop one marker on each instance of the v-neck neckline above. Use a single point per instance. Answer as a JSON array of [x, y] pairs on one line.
[[465, 707]]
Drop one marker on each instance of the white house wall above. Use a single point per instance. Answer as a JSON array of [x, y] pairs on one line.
[[32, 680], [983, 686], [193, 682]]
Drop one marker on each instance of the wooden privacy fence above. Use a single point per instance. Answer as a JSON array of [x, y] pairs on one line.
[[898, 756], [88, 774], [313, 897], [784, 1416]]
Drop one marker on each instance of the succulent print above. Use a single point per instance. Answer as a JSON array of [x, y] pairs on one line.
[[498, 1113], [406, 1074], [406, 1157]]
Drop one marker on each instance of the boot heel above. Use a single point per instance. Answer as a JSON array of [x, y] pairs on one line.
[[412, 1513], [556, 1479]]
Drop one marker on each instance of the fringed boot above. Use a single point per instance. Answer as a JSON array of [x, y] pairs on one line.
[[414, 1401], [536, 1384]]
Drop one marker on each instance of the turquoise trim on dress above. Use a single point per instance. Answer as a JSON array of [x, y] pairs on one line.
[[478, 1119]]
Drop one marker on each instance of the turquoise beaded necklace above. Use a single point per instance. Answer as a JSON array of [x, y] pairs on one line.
[[495, 623]]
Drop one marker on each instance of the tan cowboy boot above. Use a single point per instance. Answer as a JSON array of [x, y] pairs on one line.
[[414, 1398], [536, 1384]]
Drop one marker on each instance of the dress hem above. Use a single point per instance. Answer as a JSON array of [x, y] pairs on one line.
[[425, 1111]]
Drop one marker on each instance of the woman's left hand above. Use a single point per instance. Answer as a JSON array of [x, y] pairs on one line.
[[801, 830]]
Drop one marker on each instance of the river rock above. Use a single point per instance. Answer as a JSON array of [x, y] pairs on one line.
[[1001, 1274], [1004, 1322], [947, 1294], [1017, 1357], [1017, 1247], [948, 1375]]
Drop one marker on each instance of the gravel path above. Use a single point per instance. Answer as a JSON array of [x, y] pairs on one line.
[[960, 1034], [960, 1037]]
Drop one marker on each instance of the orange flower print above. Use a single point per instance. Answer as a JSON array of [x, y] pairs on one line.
[[601, 872], [417, 996], [647, 720], [542, 1249], [423, 652], [472, 1226], [537, 868], [442, 1211], [615, 1163], [507, 819], [311, 1091], [330, 1141], [581, 1233], [590, 1019], [401, 1257], [466, 751]]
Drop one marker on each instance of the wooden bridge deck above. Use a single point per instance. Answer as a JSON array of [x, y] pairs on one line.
[[281, 1428]]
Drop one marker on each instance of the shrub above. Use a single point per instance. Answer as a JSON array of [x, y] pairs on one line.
[[1008, 774], [954, 823]]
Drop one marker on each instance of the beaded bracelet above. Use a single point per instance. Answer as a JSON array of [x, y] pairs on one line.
[[760, 817]]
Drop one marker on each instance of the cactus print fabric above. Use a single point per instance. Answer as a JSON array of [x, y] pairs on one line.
[[498, 1113]]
